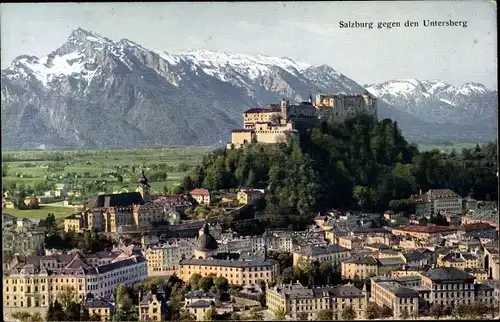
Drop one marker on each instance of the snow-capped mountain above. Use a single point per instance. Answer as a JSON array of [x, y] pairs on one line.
[[95, 92], [470, 103]]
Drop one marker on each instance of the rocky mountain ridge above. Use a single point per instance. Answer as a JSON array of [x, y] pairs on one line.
[[93, 92]]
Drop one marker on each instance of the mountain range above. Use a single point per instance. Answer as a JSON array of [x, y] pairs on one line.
[[93, 92]]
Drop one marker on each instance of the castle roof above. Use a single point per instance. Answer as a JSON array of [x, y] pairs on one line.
[[205, 241], [125, 199]]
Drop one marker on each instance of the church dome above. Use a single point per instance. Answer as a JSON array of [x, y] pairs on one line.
[[206, 242]]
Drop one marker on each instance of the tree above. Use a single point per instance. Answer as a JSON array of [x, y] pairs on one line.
[[66, 296], [324, 315], [221, 284], [404, 314], [22, 316], [279, 314], [386, 312], [55, 312], [186, 316], [372, 311], [436, 311], [194, 280], [36, 317], [348, 313], [205, 283], [302, 316], [73, 312], [123, 299], [187, 184], [210, 315], [255, 315]]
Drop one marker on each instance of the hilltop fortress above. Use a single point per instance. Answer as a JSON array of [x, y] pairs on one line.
[[278, 123]]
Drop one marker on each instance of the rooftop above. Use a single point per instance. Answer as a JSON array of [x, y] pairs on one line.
[[229, 263], [321, 250], [448, 274], [426, 229]]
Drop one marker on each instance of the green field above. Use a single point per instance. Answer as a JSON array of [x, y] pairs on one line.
[[31, 168], [59, 212]]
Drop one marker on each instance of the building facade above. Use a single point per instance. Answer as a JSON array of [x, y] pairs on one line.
[[31, 283], [296, 300]]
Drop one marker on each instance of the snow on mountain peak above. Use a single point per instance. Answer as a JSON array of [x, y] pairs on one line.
[[213, 62]]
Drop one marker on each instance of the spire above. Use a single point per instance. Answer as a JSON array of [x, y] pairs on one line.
[[310, 98]]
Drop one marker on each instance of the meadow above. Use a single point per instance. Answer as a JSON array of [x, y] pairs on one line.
[[32, 169]]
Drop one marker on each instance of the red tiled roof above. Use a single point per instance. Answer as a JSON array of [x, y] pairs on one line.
[[476, 226], [200, 192], [426, 229]]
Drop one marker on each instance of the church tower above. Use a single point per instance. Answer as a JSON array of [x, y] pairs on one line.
[[144, 187]]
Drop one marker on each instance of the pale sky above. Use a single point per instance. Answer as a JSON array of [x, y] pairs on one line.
[[304, 31]]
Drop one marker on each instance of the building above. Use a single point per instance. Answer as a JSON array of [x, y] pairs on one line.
[[396, 294], [450, 286], [436, 201], [359, 267], [199, 303], [99, 306], [249, 196], [153, 306], [202, 196], [132, 211], [341, 107], [23, 241], [75, 223], [350, 242], [441, 286], [274, 123], [163, 259], [296, 300], [460, 260], [334, 253], [371, 265], [423, 232], [237, 272], [31, 283]]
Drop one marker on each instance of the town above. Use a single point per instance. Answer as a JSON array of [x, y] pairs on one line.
[[257, 234]]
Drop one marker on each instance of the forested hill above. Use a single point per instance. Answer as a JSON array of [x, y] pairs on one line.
[[362, 164]]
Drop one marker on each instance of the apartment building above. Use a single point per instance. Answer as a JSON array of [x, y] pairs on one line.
[[163, 259], [334, 253], [202, 196], [443, 286], [249, 196], [31, 283], [237, 272], [460, 260], [296, 300], [423, 233], [198, 303], [153, 306], [99, 306], [24, 241], [436, 201], [396, 294]]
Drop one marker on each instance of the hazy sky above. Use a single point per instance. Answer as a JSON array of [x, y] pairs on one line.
[[304, 31]]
